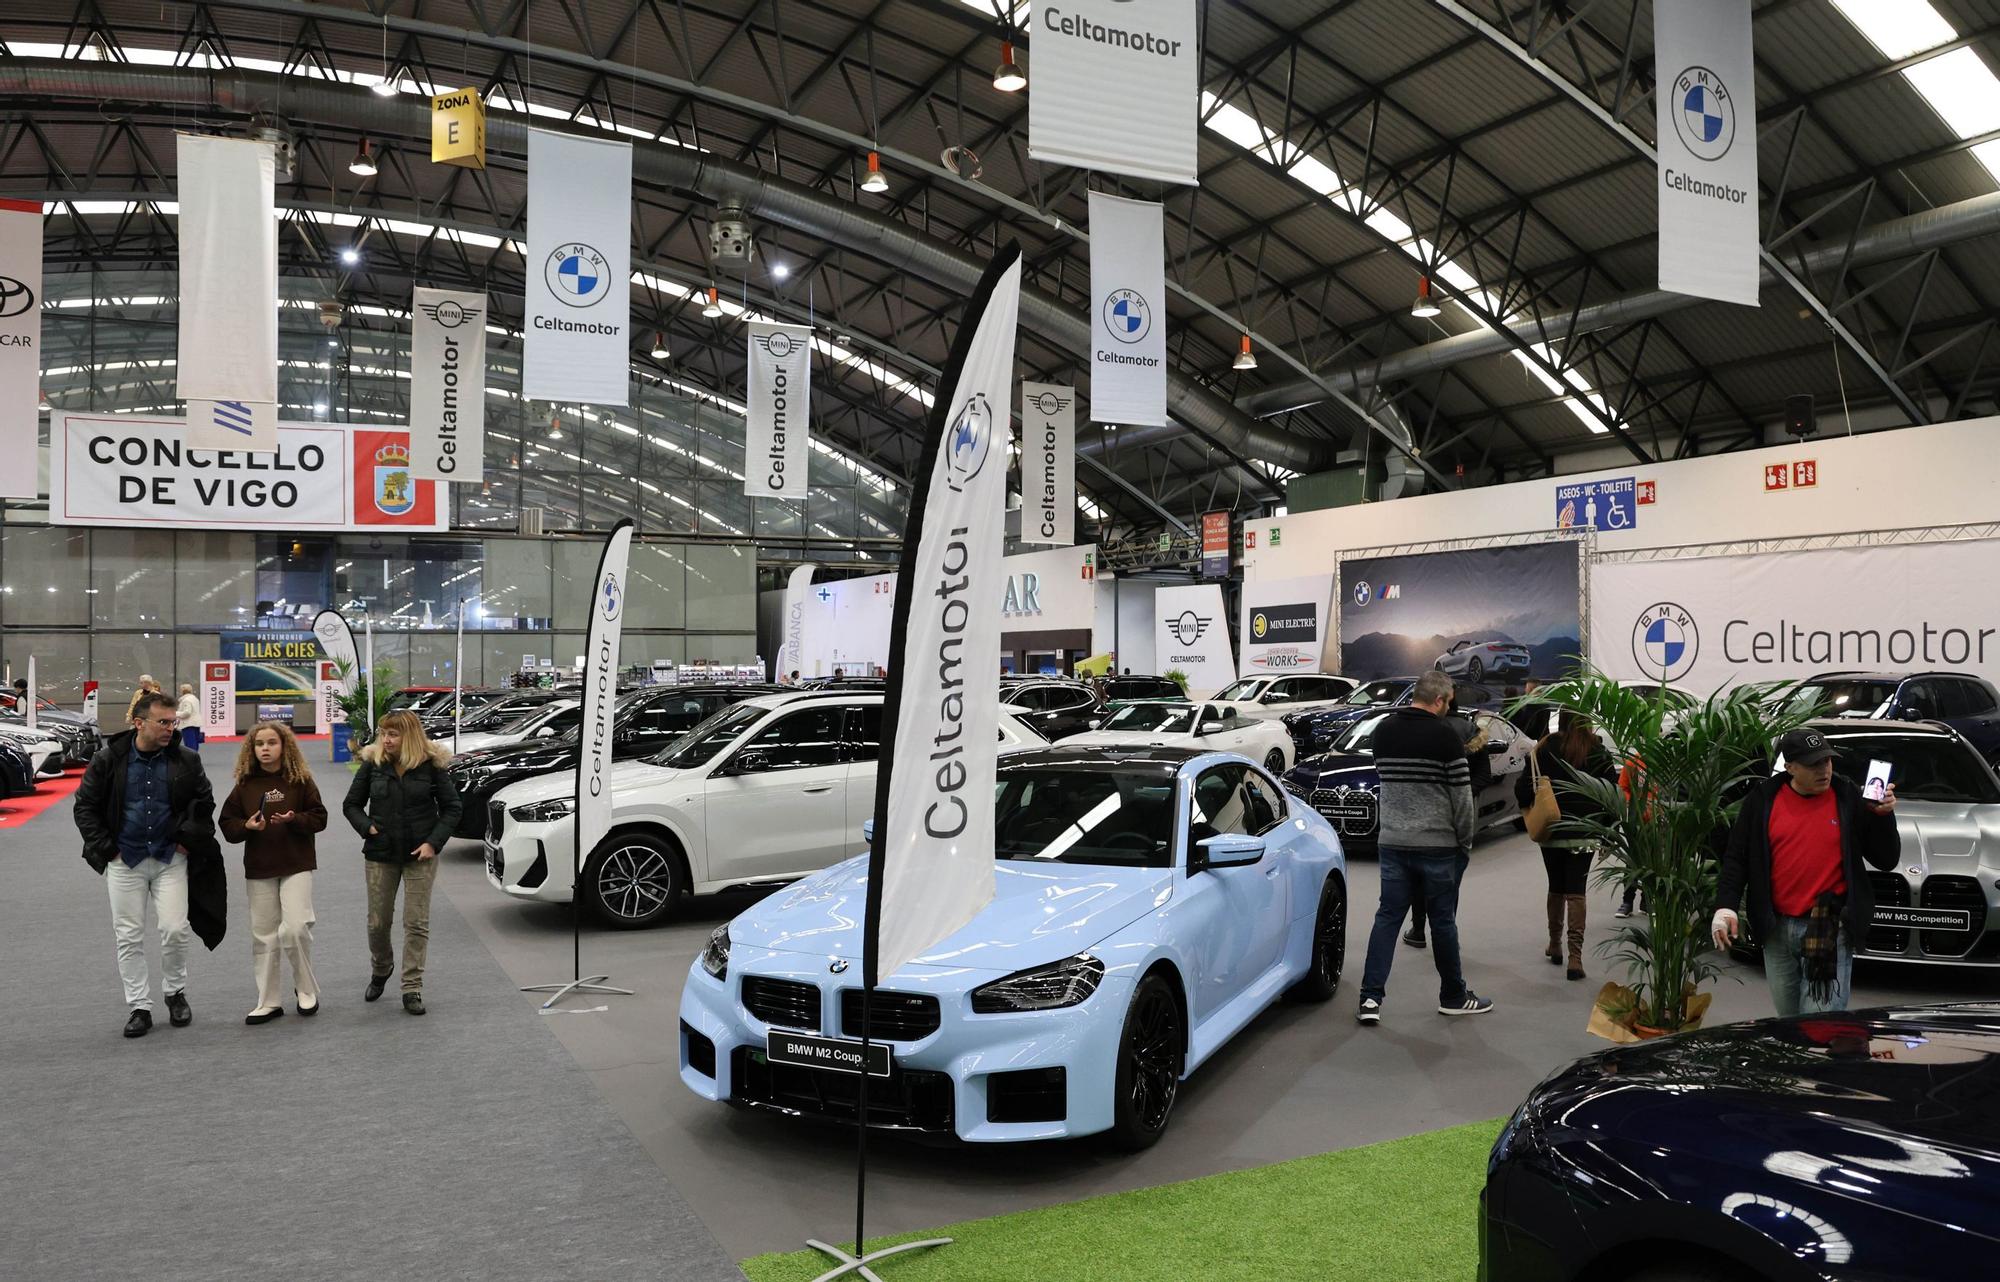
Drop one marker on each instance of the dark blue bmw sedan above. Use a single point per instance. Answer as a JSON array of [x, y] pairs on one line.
[[1836, 1146]]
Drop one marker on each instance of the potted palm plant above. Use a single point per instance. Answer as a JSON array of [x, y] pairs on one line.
[[353, 701], [1687, 767]]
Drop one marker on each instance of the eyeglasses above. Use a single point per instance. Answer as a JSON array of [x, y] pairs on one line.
[[168, 722]]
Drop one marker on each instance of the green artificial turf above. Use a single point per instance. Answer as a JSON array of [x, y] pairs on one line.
[[1405, 1209]]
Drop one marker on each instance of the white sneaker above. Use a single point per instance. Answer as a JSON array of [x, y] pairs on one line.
[[1370, 1012]]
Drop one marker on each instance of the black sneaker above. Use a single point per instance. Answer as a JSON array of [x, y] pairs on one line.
[[139, 1024], [413, 1003], [1624, 911], [1370, 1012], [376, 983], [1414, 938], [1470, 1004], [178, 1012]]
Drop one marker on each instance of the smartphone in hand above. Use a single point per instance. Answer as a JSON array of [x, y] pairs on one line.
[[1876, 789]]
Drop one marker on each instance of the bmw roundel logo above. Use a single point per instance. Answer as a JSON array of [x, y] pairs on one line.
[[1665, 641], [612, 599], [837, 966], [1127, 315], [577, 274], [1362, 592], [967, 441], [1705, 115]]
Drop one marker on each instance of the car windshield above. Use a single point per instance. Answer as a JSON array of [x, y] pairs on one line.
[[1097, 816], [1141, 688], [501, 715], [416, 700], [1247, 689], [1153, 718], [1923, 767], [1360, 740], [1376, 692], [535, 718], [1843, 698], [701, 744]]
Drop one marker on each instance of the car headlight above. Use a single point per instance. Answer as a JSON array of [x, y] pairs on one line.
[[1051, 987], [715, 957], [541, 812]]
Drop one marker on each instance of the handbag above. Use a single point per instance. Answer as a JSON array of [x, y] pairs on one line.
[[1544, 813]]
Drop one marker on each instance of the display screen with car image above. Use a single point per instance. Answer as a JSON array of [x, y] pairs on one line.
[[1497, 615]]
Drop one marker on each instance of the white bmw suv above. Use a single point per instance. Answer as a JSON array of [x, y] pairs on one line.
[[763, 792]]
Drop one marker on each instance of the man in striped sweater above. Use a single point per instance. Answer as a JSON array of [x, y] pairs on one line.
[[1425, 810]]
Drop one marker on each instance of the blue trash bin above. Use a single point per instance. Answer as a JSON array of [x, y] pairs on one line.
[[343, 741]]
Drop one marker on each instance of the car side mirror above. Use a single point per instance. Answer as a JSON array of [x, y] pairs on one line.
[[1496, 749], [750, 761], [545, 732], [1276, 697], [1210, 727], [868, 831], [1914, 714], [1228, 850]]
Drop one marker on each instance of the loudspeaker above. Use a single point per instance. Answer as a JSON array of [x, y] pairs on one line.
[[1800, 421]]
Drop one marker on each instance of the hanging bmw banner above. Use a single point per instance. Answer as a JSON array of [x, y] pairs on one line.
[[1707, 131], [1128, 318], [1116, 87], [578, 270]]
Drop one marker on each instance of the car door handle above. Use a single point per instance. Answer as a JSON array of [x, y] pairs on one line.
[[818, 787], [1272, 871]]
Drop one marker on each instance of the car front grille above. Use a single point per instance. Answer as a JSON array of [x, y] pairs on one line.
[[496, 819], [893, 1017], [908, 1099], [782, 1003], [1954, 892], [1351, 811], [1891, 891]]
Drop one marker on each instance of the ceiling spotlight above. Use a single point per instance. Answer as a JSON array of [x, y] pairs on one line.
[[332, 341], [1245, 358], [712, 306], [875, 183], [350, 255], [779, 271], [659, 346], [1008, 76], [555, 429], [1425, 306], [363, 163]]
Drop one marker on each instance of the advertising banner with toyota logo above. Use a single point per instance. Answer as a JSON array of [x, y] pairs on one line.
[[1707, 129], [1284, 624], [1191, 636], [1708, 623], [578, 270], [20, 345], [1128, 313]]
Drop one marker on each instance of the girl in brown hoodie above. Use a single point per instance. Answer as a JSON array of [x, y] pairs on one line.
[[274, 810]]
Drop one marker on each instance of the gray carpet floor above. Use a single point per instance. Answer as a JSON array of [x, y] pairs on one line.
[[363, 1141]]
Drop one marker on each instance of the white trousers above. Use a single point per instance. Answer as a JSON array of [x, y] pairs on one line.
[[165, 886], [281, 922]]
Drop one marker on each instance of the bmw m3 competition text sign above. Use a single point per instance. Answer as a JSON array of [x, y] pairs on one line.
[[127, 469], [1191, 636], [447, 385], [1707, 131], [776, 442], [1128, 316], [578, 270], [20, 345], [1116, 87]]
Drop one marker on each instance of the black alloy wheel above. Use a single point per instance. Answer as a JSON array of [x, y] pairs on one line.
[[1329, 947], [1474, 669], [633, 881], [1150, 1054], [1274, 762]]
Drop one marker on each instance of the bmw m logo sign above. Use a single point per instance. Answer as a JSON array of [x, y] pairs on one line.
[[1364, 592], [1665, 641]]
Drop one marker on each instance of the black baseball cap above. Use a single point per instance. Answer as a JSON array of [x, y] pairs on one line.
[[1806, 747]]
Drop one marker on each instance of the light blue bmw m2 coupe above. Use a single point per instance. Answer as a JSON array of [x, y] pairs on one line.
[[1151, 903]]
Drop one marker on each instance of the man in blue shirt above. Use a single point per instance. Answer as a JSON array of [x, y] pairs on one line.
[[143, 800]]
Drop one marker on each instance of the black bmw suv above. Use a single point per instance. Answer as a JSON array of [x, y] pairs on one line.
[[646, 720]]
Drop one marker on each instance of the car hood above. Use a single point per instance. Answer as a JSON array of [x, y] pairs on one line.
[[1127, 738], [533, 754], [1041, 912], [625, 775], [1948, 837], [1331, 771]]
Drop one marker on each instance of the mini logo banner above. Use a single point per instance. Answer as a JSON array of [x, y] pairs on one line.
[[218, 697], [20, 345], [447, 385], [1707, 130], [1116, 87], [777, 438], [1128, 333], [228, 270], [579, 270], [600, 691], [1048, 463], [232, 425], [1189, 637], [1281, 626]]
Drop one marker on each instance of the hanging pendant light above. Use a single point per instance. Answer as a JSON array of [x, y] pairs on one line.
[[1008, 76], [363, 164], [659, 352], [1425, 306], [876, 182], [1245, 358], [713, 307]]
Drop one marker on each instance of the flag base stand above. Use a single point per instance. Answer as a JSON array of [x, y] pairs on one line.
[[858, 1264], [589, 984]]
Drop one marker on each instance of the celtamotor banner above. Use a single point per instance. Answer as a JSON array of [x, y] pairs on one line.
[[931, 856], [600, 691], [20, 345], [228, 270], [1707, 106], [1191, 636], [129, 469], [218, 698], [1708, 623], [776, 435], [578, 269], [447, 385], [1128, 313], [232, 425], [1116, 87], [1285, 624], [1048, 463]]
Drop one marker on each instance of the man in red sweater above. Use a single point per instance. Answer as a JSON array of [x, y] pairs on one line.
[[1800, 850]]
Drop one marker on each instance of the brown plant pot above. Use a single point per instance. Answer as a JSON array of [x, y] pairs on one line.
[[1646, 1032]]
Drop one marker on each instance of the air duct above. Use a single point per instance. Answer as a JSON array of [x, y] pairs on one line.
[[698, 175]]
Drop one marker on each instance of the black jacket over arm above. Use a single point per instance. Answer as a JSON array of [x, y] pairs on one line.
[[1867, 840], [100, 813]]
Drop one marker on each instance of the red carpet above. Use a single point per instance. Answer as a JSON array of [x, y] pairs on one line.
[[48, 794]]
